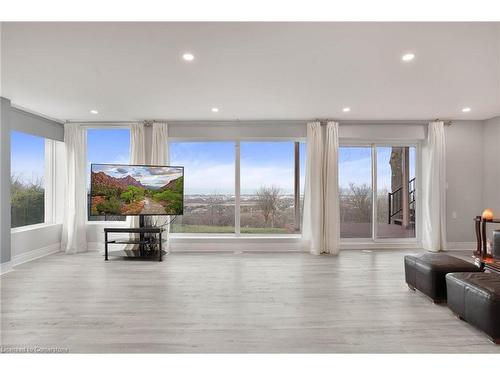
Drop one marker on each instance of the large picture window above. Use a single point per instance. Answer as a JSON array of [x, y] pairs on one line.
[[27, 179], [106, 146], [268, 187], [208, 186], [270, 195]]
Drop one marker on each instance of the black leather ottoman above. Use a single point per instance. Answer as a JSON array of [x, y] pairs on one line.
[[475, 298], [426, 272]]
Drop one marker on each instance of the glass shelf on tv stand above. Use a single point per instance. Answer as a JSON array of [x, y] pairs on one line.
[[148, 239], [126, 241], [135, 253]]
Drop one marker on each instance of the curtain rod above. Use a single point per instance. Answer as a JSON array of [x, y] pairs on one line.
[[230, 122]]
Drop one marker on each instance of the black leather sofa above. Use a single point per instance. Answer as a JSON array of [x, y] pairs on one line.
[[475, 298], [426, 272]]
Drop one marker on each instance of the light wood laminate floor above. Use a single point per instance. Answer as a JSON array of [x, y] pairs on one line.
[[220, 302]]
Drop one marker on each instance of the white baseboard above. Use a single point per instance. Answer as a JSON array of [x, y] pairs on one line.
[[471, 246], [35, 254], [5, 267], [221, 244], [379, 246], [29, 256], [256, 244], [235, 244]]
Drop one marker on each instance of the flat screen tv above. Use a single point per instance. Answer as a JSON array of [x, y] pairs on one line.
[[118, 189]]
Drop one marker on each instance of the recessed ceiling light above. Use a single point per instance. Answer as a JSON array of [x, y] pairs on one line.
[[466, 109], [94, 111], [346, 109], [188, 56], [214, 109], [408, 56]]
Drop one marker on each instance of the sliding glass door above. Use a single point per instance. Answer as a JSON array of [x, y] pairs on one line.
[[378, 191], [356, 194]]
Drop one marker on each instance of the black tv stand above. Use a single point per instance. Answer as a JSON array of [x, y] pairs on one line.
[[148, 246]]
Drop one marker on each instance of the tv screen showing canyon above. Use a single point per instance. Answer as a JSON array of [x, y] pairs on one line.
[[136, 190]]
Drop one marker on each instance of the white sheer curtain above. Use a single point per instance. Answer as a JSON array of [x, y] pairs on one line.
[[159, 156], [320, 226], [74, 235], [434, 188], [312, 218], [159, 144], [331, 189], [137, 156]]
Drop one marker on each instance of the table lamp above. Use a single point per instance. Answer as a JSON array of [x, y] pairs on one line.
[[487, 214]]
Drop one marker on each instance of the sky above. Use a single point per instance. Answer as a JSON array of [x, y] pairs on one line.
[[27, 156], [108, 146], [355, 166], [155, 177], [209, 166]]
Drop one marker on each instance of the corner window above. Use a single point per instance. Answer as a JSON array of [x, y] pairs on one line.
[[27, 179]]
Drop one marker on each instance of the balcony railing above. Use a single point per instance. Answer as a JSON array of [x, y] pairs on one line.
[[396, 204]]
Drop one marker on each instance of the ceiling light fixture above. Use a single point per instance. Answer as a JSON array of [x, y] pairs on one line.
[[408, 57], [346, 109], [466, 109], [215, 110], [94, 111], [188, 56]]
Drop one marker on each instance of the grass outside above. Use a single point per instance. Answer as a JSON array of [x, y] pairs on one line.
[[179, 228], [248, 230]]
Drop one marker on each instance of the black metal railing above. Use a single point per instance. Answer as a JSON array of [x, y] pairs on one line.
[[395, 201]]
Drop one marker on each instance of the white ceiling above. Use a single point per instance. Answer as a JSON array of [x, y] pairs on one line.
[[252, 71]]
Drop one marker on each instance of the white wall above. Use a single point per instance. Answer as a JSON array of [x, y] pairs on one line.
[[35, 242], [30, 123], [491, 162], [228, 130], [27, 243], [31, 242], [4, 181], [464, 176], [382, 131], [233, 130], [4, 171]]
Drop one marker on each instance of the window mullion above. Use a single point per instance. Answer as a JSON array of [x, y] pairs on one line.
[[374, 192], [49, 181], [237, 186], [296, 190]]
